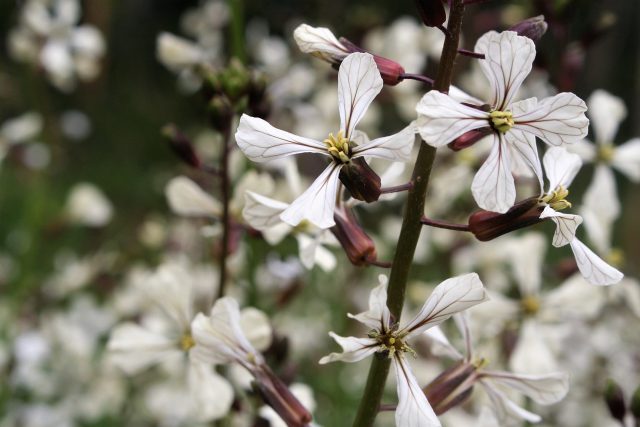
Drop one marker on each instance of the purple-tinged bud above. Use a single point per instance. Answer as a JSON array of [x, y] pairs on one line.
[[452, 387], [390, 71], [635, 404], [361, 181], [614, 397], [469, 138], [181, 145], [487, 225], [358, 246], [533, 28], [277, 395], [431, 12]]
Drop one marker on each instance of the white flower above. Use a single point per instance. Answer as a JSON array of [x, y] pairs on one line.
[[449, 297], [561, 167], [87, 205], [186, 198], [177, 53], [358, 84], [556, 120]]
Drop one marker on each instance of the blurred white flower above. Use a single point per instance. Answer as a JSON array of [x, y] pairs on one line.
[[87, 205]]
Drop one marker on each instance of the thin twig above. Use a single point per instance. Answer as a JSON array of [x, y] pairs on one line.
[[397, 188], [471, 54], [418, 77], [444, 224]]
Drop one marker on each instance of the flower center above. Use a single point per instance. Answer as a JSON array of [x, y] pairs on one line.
[[338, 147], [391, 342], [557, 199], [605, 153], [187, 341], [616, 257], [501, 121], [530, 305]]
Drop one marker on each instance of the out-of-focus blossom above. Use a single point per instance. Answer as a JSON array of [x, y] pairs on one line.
[[515, 125], [87, 205]]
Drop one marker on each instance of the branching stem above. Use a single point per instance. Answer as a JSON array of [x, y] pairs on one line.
[[444, 224], [418, 77], [397, 188], [411, 226]]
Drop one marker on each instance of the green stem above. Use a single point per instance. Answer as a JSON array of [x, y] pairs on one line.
[[411, 226], [226, 224], [237, 30]]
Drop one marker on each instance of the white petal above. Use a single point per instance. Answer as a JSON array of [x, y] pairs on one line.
[[508, 61], [359, 82], [505, 408], [308, 248], [177, 52], [261, 212], [440, 345], [556, 120], [413, 408], [378, 316], [572, 300], [561, 167], [626, 158], [543, 389], [493, 187], [532, 354], [186, 198], [523, 146], [262, 142], [592, 267], [318, 202], [441, 119], [135, 348], [607, 112], [566, 225], [527, 258], [353, 349], [319, 41], [256, 327], [601, 208], [448, 298], [584, 148], [395, 147], [325, 259], [211, 394], [219, 338]]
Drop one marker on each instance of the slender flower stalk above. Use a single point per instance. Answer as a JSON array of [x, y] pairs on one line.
[[411, 226]]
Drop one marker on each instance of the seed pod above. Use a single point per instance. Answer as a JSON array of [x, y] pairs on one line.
[[469, 138]]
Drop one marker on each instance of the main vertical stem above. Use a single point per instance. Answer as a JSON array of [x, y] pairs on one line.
[[224, 191], [411, 227]]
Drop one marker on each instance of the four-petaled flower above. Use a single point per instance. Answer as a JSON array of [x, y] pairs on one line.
[[556, 120], [449, 297], [358, 84], [561, 167]]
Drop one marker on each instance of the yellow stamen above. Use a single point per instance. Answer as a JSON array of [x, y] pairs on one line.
[[557, 199], [530, 305], [187, 342], [339, 148], [501, 121], [605, 153]]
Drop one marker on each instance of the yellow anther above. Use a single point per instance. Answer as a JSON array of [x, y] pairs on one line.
[[187, 342], [339, 148], [501, 121], [392, 341], [605, 153], [557, 199], [530, 305]]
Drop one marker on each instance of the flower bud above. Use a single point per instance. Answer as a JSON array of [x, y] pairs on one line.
[[181, 145], [235, 80], [614, 397], [361, 181], [533, 28], [487, 225], [220, 112], [469, 138], [451, 388], [358, 246], [277, 395], [431, 12], [390, 71]]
